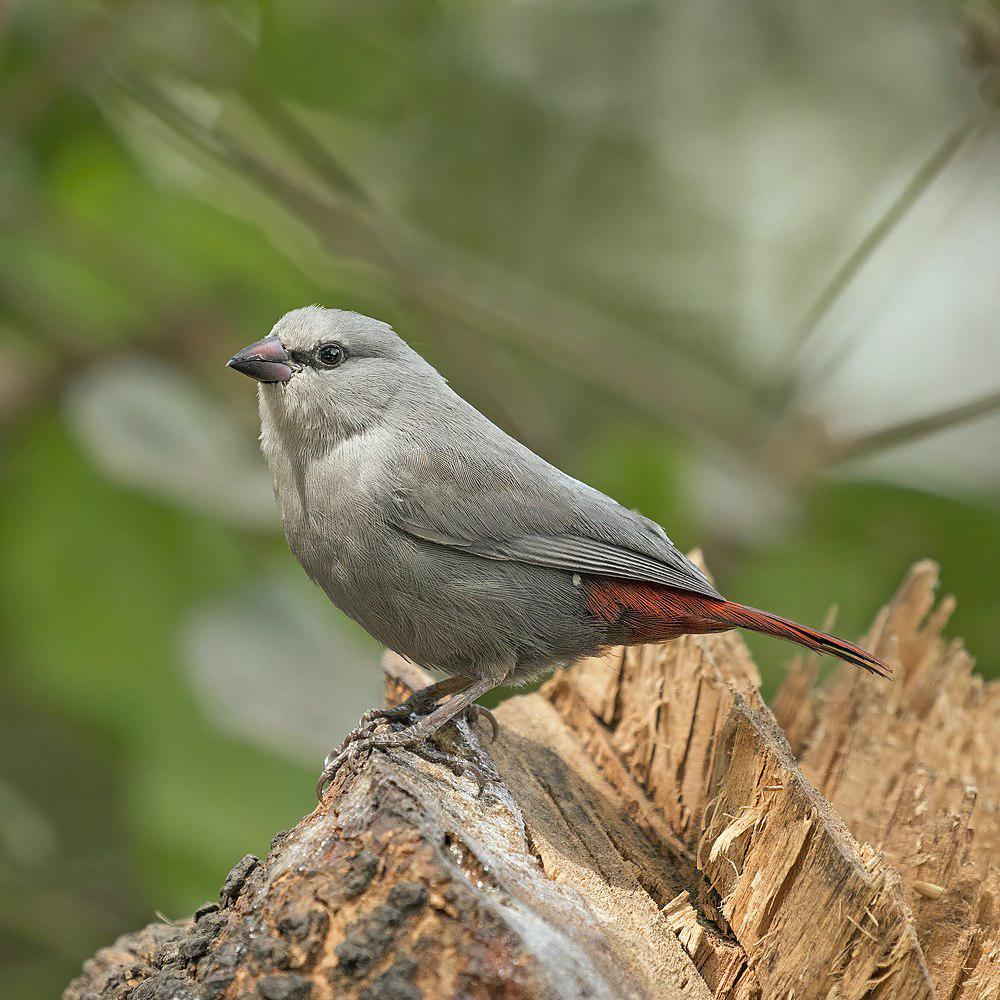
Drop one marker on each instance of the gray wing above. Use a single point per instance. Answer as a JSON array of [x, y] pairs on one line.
[[507, 503]]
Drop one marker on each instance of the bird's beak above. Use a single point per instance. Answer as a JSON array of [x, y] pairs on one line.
[[266, 361]]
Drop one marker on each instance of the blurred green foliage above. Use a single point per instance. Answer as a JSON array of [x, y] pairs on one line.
[[605, 223]]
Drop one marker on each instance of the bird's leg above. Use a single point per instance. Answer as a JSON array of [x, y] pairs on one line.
[[464, 692], [420, 703]]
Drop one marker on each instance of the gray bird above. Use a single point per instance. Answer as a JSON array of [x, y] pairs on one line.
[[452, 543]]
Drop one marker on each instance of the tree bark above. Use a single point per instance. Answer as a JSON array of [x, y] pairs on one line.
[[647, 831]]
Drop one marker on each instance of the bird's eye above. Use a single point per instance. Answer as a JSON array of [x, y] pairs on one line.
[[330, 355]]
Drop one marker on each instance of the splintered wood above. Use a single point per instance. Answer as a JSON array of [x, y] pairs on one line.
[[894, 891], [916, 773], [647, 832]]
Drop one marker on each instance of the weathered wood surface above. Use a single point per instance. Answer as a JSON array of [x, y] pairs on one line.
[[647, 833], [916, 773]]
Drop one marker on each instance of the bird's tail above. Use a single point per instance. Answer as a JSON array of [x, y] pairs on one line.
[[643, 612], [762, 621]]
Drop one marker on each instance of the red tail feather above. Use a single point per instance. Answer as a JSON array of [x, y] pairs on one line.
[[646, 612]]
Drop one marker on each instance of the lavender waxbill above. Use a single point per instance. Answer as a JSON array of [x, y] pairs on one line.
[[452, 543]]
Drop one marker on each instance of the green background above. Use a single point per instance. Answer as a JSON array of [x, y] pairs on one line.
[[616, 227]]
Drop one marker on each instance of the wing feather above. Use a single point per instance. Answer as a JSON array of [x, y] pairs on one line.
[[475, 489], [654, 559]]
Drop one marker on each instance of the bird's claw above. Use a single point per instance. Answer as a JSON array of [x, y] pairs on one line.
[[411, 711], [360, 742], [354, 753], [372, 721], [350, 753], [476, 712]]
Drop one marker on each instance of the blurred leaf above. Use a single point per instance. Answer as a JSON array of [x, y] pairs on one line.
[[26, 837], [195, 802], [94, 581], [94, 587], [148, 426], [276, 664]]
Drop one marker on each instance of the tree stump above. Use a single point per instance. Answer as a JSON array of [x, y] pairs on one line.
[[649, 830]]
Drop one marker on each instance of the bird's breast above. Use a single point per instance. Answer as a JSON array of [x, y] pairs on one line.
[[334, 511]]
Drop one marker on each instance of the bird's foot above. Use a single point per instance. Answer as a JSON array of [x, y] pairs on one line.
[[400, 727], [404, 713], [411, 712], [356, 750]]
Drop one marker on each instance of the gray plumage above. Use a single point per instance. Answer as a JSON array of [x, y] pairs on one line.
[[452, 543], [448, 540]]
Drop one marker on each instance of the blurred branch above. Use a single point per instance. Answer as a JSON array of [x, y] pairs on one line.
[[909, 431], [320, 215], [457, 296], [918, 185], [282, 121], [606, 354], [925, 175]]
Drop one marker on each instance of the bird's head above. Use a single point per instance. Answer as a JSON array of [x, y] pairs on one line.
[[329, 371]]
